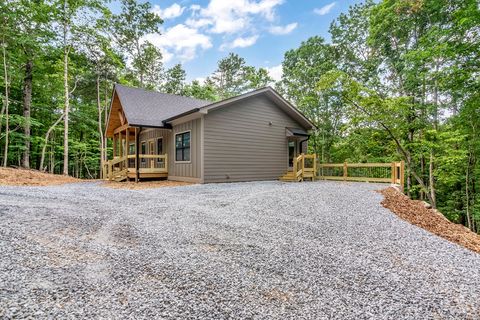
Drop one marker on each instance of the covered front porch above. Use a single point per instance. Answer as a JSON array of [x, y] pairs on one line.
[[134, 159]]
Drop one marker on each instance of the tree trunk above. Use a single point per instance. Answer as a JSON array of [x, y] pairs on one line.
[[467, 195], [66, 110], [27, 105], [5, 151], [433, 197], [66, 93], [105, 117], [100, 131], [47, 136]]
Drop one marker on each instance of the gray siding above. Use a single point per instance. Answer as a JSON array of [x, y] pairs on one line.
[[240, 145], [192, 169], [148, 135]]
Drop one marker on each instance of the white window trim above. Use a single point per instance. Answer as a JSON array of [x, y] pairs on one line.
[[175, 147]]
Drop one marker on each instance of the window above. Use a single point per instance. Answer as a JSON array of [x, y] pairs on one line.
[[131, 149], [160, 146], [160, 149], [144, 150], [182, 146]]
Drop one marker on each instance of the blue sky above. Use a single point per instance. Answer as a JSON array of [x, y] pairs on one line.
[[199, 33]]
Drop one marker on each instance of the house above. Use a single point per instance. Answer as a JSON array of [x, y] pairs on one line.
[[253, 136]]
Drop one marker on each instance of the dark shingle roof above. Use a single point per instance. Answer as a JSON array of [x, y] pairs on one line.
[[150, 108]]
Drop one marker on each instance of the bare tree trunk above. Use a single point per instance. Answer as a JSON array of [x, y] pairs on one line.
[[66, 92], [47, 136], [5, 151], [100, 131], [432, 183], [27, 105], [467, 195], [105, 115]]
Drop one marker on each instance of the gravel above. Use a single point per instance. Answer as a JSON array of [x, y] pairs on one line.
[[260, 250]]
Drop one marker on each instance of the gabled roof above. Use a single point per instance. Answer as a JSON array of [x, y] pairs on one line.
[[150, 108], [143, 108]]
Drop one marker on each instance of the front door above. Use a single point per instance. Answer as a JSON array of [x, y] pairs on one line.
[[292, 150]]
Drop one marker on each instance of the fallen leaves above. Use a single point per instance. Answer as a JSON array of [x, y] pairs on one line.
[[431, 220], [26, 177]]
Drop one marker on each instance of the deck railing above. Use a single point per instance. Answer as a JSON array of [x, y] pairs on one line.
[[119, 167], [392, 172], [305, 166]]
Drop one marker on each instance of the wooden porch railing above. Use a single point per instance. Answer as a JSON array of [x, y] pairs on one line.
[[367, 172], [119, 167], [305, 166]]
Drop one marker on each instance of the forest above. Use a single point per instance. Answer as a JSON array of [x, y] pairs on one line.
[[398, 80]]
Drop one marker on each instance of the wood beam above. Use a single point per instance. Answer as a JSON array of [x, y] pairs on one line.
[[121, 128]]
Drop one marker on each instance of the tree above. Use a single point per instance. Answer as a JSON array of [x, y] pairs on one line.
[[302, 69], [128, 29], [175, 80], [257, 78], [229, 79], [204, 92]]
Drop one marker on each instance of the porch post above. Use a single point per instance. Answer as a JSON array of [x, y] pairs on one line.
[[127, 147], [127, 143], [120, 147], [114, 145], [137, 139]]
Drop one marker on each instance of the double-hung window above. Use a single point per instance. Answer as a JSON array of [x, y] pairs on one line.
[[144, 150], [182, 146]]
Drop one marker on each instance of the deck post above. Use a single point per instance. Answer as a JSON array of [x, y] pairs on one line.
[[114, 145], [394, 171], [137, 139], [127, 147], [402, 174]]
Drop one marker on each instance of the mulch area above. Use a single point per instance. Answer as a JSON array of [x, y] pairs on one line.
[[144, 184], [27, 177], [431, 220]]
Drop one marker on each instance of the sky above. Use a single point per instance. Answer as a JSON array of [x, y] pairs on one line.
[[198, 33]]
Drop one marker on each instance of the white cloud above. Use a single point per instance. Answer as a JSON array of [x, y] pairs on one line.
[[240, 42], [275, 72], [233, 16], [281, 30], [244, 42], [180, 41], [174, 11], [325, 9]]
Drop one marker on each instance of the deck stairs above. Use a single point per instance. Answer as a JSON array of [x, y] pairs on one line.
[[120, 175], [301, 169], [290, 176]]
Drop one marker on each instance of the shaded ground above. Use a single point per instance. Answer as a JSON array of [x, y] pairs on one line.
[[25, 177], [415, 212], [266, 250]]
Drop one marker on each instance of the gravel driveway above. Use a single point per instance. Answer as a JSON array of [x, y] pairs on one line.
[[322, 250]]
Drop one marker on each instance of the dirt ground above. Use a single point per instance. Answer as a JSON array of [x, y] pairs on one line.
[[25, 177], [143, 184], [431, 220]]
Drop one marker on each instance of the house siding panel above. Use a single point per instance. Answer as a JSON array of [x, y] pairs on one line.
[[241, 145], [192, 169]]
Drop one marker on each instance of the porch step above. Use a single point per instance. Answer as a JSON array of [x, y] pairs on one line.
[[289, 176]]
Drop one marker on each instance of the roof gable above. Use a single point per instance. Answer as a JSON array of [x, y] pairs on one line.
[[150, 108]]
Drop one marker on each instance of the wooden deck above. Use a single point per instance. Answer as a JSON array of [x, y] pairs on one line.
[[129, 167], [305, 166]]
